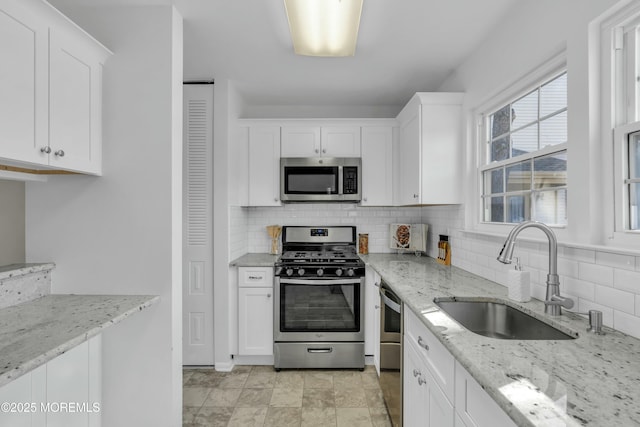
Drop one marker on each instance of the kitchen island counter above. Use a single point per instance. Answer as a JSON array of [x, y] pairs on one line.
[[593, 380], [35, 332]]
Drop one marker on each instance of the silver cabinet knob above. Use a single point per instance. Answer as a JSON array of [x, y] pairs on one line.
[[376, 307], [415, 196], [317, 151], [422, 343], [416, 373], [59, 153], [421, 381], [324, 150], [268, 295], [364, 199], [275, 199], [45, 150]]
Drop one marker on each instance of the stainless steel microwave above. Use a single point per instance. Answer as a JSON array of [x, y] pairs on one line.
[[320, 179]]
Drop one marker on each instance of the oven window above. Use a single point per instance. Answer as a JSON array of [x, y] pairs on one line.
[[310, 308], [311, 180]]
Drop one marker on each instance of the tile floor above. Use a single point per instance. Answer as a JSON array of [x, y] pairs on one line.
[[259, 396]]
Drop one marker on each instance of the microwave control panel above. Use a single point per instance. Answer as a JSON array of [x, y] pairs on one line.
[[350, 180]]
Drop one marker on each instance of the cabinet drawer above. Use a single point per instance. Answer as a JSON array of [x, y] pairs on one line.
[[441, 363], [474, 406], [255, 277]]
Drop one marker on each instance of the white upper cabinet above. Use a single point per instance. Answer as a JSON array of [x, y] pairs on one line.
[[317, 141], [50, 90], [23, 83], [430, 150], [340, 141], [377, 166], [264, 166], [300, 141]]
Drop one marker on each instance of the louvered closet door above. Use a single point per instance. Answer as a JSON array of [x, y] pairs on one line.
[[197, 285]]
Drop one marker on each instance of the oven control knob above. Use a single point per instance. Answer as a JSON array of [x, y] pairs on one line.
[[289, 271], [339, 272], [320, 272], [350, 272], [301, 271]]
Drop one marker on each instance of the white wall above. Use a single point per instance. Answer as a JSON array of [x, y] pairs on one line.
[[121, 233], [597, 277], [11, 222]]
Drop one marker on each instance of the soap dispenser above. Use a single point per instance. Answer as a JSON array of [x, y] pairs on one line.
[[519, 286]]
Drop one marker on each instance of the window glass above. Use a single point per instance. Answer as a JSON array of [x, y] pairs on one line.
[[525, 110], [531, 181], [553, 96], [553, 131], [550, 171], [550, 207]]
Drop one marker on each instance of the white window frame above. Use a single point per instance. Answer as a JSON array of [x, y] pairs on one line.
[[620, 93], [544, 73]]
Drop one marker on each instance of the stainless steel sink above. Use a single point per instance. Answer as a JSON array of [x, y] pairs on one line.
[[496, 319]]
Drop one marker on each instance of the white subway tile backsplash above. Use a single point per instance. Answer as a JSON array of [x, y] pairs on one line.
[[579, 288], [626, 323], [626, 262], [567, 267], [616, 299], [595, 273], [576, 254], [627, 281]]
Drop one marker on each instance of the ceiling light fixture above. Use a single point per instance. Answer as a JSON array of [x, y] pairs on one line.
[[324, 27]]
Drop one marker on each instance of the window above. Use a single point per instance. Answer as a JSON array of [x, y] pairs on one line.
[[632, 182], [525, 175], [626, 104]]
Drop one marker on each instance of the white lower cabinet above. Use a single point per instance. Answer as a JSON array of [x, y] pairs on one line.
[[372, 316], [424, 404], [474, 407], [437, 390], [255, 311], [66, 391]]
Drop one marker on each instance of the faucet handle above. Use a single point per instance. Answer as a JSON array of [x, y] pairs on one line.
[[558, 300]]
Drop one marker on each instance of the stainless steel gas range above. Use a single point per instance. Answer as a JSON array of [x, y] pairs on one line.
[[319, 297]]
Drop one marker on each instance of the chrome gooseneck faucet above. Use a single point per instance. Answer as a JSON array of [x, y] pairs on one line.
[[553, 301]]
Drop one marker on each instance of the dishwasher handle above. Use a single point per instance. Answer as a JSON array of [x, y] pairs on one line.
[[393, 305]]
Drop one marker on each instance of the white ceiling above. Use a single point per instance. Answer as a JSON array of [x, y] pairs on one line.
[[404, 46]]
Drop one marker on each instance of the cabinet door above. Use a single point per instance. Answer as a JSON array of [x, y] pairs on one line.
[[68, 381], [255, 321], [441, 154], [340, 141], [264, 166], [23, 83], [409, 153], [75, 99], [474, 406], [415, 405], [377, 166], [300, 141]]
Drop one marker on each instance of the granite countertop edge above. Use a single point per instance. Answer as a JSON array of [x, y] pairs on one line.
[[255, 260], [84, 329], [16, 270]]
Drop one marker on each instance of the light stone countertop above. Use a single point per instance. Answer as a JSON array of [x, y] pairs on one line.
[[593, 380], [34, 332], [14, 270], [255, 260]]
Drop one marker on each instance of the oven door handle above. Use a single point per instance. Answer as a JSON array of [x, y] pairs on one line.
[[314, 282], [389, 302]]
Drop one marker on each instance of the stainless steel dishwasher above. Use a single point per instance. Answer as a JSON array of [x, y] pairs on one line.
[[391, 352]]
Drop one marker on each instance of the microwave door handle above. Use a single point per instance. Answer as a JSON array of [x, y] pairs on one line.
[[340, 183]]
